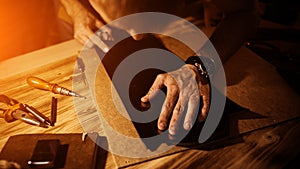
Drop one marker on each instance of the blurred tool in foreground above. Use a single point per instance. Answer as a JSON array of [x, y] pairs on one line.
[[54, 88]]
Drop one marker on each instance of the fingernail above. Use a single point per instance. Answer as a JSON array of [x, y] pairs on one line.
[[187, 126], [172, 130], [162, 125]]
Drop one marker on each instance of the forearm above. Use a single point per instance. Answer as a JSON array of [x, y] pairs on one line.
[[239, 24], [232, 32]]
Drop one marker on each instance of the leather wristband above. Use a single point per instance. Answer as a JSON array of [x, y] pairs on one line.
[[196, 61], [203, 71]]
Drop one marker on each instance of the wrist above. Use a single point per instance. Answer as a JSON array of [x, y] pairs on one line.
[[198, 64], [204, 65]]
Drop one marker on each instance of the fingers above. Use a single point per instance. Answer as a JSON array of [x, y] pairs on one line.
[[88, 38], [192, 111], [138, 37], [176, 117], [83, 35], [205, 92], [183, 91], [84, 28], [167, 108], [98, 24], [156, 86], [171, 98], [134, 35]]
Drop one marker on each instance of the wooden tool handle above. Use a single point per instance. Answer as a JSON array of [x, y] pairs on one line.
[[40, 83]]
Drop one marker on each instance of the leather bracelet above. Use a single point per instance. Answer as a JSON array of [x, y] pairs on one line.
[[196, 61]]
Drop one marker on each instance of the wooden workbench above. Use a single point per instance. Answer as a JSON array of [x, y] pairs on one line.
[[266, 138]]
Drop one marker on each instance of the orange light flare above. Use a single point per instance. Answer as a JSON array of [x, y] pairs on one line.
[[26, 26]]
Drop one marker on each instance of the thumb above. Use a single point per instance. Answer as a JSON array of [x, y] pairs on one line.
[[156, 86], [135, 36]]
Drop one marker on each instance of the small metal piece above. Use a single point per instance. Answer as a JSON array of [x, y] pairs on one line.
[[83, 137], [67, 92], [24, 116], [76, 95], [38, 115]]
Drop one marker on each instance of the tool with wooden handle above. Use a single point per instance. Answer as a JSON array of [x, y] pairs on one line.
[[54, 88]]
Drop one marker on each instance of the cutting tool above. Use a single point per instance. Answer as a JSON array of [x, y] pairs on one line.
[[15, 110]]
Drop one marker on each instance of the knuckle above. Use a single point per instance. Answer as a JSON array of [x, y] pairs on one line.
[[178, 110], [174, 91], [182, 108], [162, 118], [195, 98], [168, 105], [160, 76], [76, 36], [174, 121]]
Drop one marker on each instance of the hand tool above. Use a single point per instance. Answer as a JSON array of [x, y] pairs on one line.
[[38, 115], [53, 111], [23, 112], [54, 88]]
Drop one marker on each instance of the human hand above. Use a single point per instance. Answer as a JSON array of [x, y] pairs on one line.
[[85, 24], [185, 89]]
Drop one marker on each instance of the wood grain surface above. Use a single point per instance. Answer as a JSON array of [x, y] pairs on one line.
[[17, 88]]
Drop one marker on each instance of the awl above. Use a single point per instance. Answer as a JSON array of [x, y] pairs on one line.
[[52, 87]]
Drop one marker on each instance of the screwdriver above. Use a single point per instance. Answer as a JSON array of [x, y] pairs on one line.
[[54, 88]]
